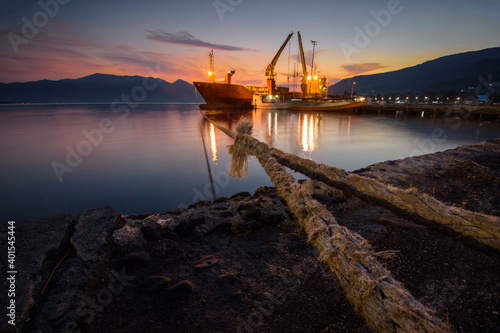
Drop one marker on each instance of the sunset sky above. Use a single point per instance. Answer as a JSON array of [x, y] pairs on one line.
[[172, 39]]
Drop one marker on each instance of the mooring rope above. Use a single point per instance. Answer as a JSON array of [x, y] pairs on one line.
[[411, 204], [214, 196], [384, 303]]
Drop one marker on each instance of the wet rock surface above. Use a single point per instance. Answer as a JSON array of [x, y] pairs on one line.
[[243, 264]]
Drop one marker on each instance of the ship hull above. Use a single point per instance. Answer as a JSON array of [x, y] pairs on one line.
[[309, 105], [325, 107], [221, 96]]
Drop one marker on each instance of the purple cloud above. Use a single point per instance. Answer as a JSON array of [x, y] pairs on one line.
[[356, 69], [185, 38]]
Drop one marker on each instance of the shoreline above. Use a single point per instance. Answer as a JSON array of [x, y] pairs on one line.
[[435, 110], [240, 262]]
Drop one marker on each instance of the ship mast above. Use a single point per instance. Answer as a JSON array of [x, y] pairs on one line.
[[211, 71]]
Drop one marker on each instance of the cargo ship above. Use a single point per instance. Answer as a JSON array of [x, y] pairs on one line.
[[223, 95], [220, 94]]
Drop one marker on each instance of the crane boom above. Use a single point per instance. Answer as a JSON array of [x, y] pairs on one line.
[[270, 67], [304, 78], [302, 58]]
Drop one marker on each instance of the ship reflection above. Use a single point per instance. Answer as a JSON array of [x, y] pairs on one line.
[[309, 132], [291, 131], [278, 124], [227, 119]]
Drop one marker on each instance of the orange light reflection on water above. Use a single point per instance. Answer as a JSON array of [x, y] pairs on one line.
[[309, 133], [213, 142], [305, 142]]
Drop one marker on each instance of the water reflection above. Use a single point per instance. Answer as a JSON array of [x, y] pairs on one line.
[[281, 128], [274, 127], [213, 142], [349, 127], [309, 132], [153, 161]]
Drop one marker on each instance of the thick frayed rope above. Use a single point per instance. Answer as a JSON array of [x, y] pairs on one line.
[[374, 293], [409, 203]]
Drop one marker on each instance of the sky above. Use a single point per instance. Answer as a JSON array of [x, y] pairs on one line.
[[59, 39]]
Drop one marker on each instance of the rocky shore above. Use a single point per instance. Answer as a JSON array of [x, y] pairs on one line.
[[241, 264]]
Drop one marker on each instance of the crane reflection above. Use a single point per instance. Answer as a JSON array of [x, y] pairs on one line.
[[309, 132]]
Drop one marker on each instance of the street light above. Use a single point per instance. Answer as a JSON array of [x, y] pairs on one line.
[[352, 89]]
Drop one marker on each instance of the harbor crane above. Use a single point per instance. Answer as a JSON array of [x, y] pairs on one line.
[[303, 79], [311, 85], [271, 83]]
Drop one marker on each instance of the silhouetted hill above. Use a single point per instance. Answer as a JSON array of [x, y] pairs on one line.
[[462, 71], [98, 88]]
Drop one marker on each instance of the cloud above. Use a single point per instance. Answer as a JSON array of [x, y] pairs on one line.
[[185, 38], [356, 69]]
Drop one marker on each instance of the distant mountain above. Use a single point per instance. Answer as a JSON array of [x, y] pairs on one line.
[[98, 88], [457, 72]]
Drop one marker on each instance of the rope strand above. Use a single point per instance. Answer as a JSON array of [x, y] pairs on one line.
[[371, 289]]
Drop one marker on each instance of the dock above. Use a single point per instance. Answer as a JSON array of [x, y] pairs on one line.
[[436, 110]]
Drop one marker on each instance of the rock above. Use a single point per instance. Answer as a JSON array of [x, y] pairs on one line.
[[243, 227], [206, 262], [91, 231], [294, 237], [252, 213], [172, 236], [36, 242], [129, 238], [166, 224], [267, 191], [223, 228], [228, 278], [55, 312], [152, 232], [241, 195], [139, 216], [295, 241], [221, 199], [238, 228], [272, 217], [200, 203], [185, 227], [180, 290], [178, 211], [136, 259], [153, 284], [227, 213], [244, 206], [254, 225]]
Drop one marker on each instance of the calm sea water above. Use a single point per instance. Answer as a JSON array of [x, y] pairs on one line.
[[71, 158]]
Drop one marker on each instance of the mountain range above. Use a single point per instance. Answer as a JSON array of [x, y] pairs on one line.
[[98, 88], [477, 72], [463, 71]]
